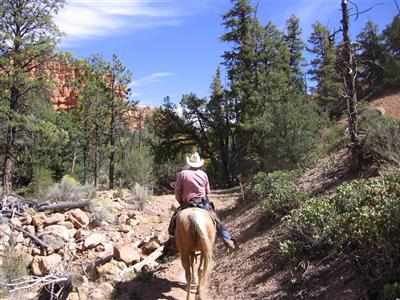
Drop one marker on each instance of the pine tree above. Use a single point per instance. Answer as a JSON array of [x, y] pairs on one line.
[[371, 59], [296, 47], [28, 37], [241, 59], [323, 71], [391, 36]]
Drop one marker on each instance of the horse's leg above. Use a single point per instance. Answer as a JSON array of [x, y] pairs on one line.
[[200, 275], [192, 257], [186, 265]]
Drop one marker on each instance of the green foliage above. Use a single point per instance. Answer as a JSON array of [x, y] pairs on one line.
[[41, 181], [382, 140], [276, 191], [323, 71], [391, 291], [361, 215], [137, 167], [102, 210], [69, 189]]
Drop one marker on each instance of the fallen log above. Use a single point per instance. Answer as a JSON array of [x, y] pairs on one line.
[[34, 238], [149, 260], [64, 205]]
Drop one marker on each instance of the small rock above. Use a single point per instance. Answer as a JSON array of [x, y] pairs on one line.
[[110, 270], [132, 222], [81, 234], [72, 232], [126, 253], [93, 240], [132, 214], [124, 228], [107, 288], [15, 222], [78, 217], [30, 229], [122, 219], [38, 219], [115, 236], [36, 251], [162, 237], [73, 296], [54, 219], [150, 247], [42, 265], [26, 219], [5, 232], [67, 224]]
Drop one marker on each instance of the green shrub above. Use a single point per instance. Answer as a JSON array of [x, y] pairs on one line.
[[15, 264], [382, 140], [42, 180], [276, 191], [103, 210], [361, 215], [141, 195], [69, 189], [391, 291], [138, 168]]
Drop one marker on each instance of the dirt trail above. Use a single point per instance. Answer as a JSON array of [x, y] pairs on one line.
[[169, 281]]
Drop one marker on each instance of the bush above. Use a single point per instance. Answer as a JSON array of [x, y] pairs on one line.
[[361, 215], [382, 140], [14, 265], [141, 195], [138, 168], [103, 210], [276, 191], [42, 180], [69, 189]]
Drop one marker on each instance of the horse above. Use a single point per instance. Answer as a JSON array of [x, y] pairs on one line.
[[195, 231]]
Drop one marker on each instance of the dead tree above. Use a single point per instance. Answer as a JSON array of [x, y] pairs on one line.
[[349, 81]]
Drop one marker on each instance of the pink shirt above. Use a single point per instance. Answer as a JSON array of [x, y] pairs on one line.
[[191, 184]]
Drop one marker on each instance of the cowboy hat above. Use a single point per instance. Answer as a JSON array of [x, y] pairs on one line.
[[194, 160]]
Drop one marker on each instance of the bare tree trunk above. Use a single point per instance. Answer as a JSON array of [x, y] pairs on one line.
[[349, 75], [8, 158]]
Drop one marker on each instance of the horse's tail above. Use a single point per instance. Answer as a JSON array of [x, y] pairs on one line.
[[200, 234]]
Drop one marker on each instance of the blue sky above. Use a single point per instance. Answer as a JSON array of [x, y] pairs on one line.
[[172, 47]]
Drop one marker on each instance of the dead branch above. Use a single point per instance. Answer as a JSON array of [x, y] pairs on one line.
[[64, 205], [34, 238], [147, 261], [31, 281]]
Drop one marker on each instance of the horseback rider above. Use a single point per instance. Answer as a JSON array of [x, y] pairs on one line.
[[191, 190]]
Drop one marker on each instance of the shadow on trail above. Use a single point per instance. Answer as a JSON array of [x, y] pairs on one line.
[[146, 287]]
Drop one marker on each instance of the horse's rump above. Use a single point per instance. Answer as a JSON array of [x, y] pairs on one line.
[[195, 231]]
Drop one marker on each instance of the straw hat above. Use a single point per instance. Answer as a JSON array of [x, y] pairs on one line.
[[194, 160]]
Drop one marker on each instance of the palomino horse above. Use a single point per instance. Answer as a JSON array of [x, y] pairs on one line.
[[195, 231]]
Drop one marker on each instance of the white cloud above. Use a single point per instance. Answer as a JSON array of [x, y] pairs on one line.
[[152, 78], [89, 19]]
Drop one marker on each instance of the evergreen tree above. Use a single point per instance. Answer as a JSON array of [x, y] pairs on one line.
[[391, 36], [371, 57], [296, 47], [323, 71], [240, 61], [28, 36], [116, 107]]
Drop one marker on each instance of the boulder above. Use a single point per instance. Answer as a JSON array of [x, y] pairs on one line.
[[126, 253], [162, 237], [55, 236], [93, 240], [111, 270], [67, 224], [54, 219], [78, 217], [42, 265]]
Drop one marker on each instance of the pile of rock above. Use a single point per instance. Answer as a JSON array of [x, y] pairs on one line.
[[98, 253]]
